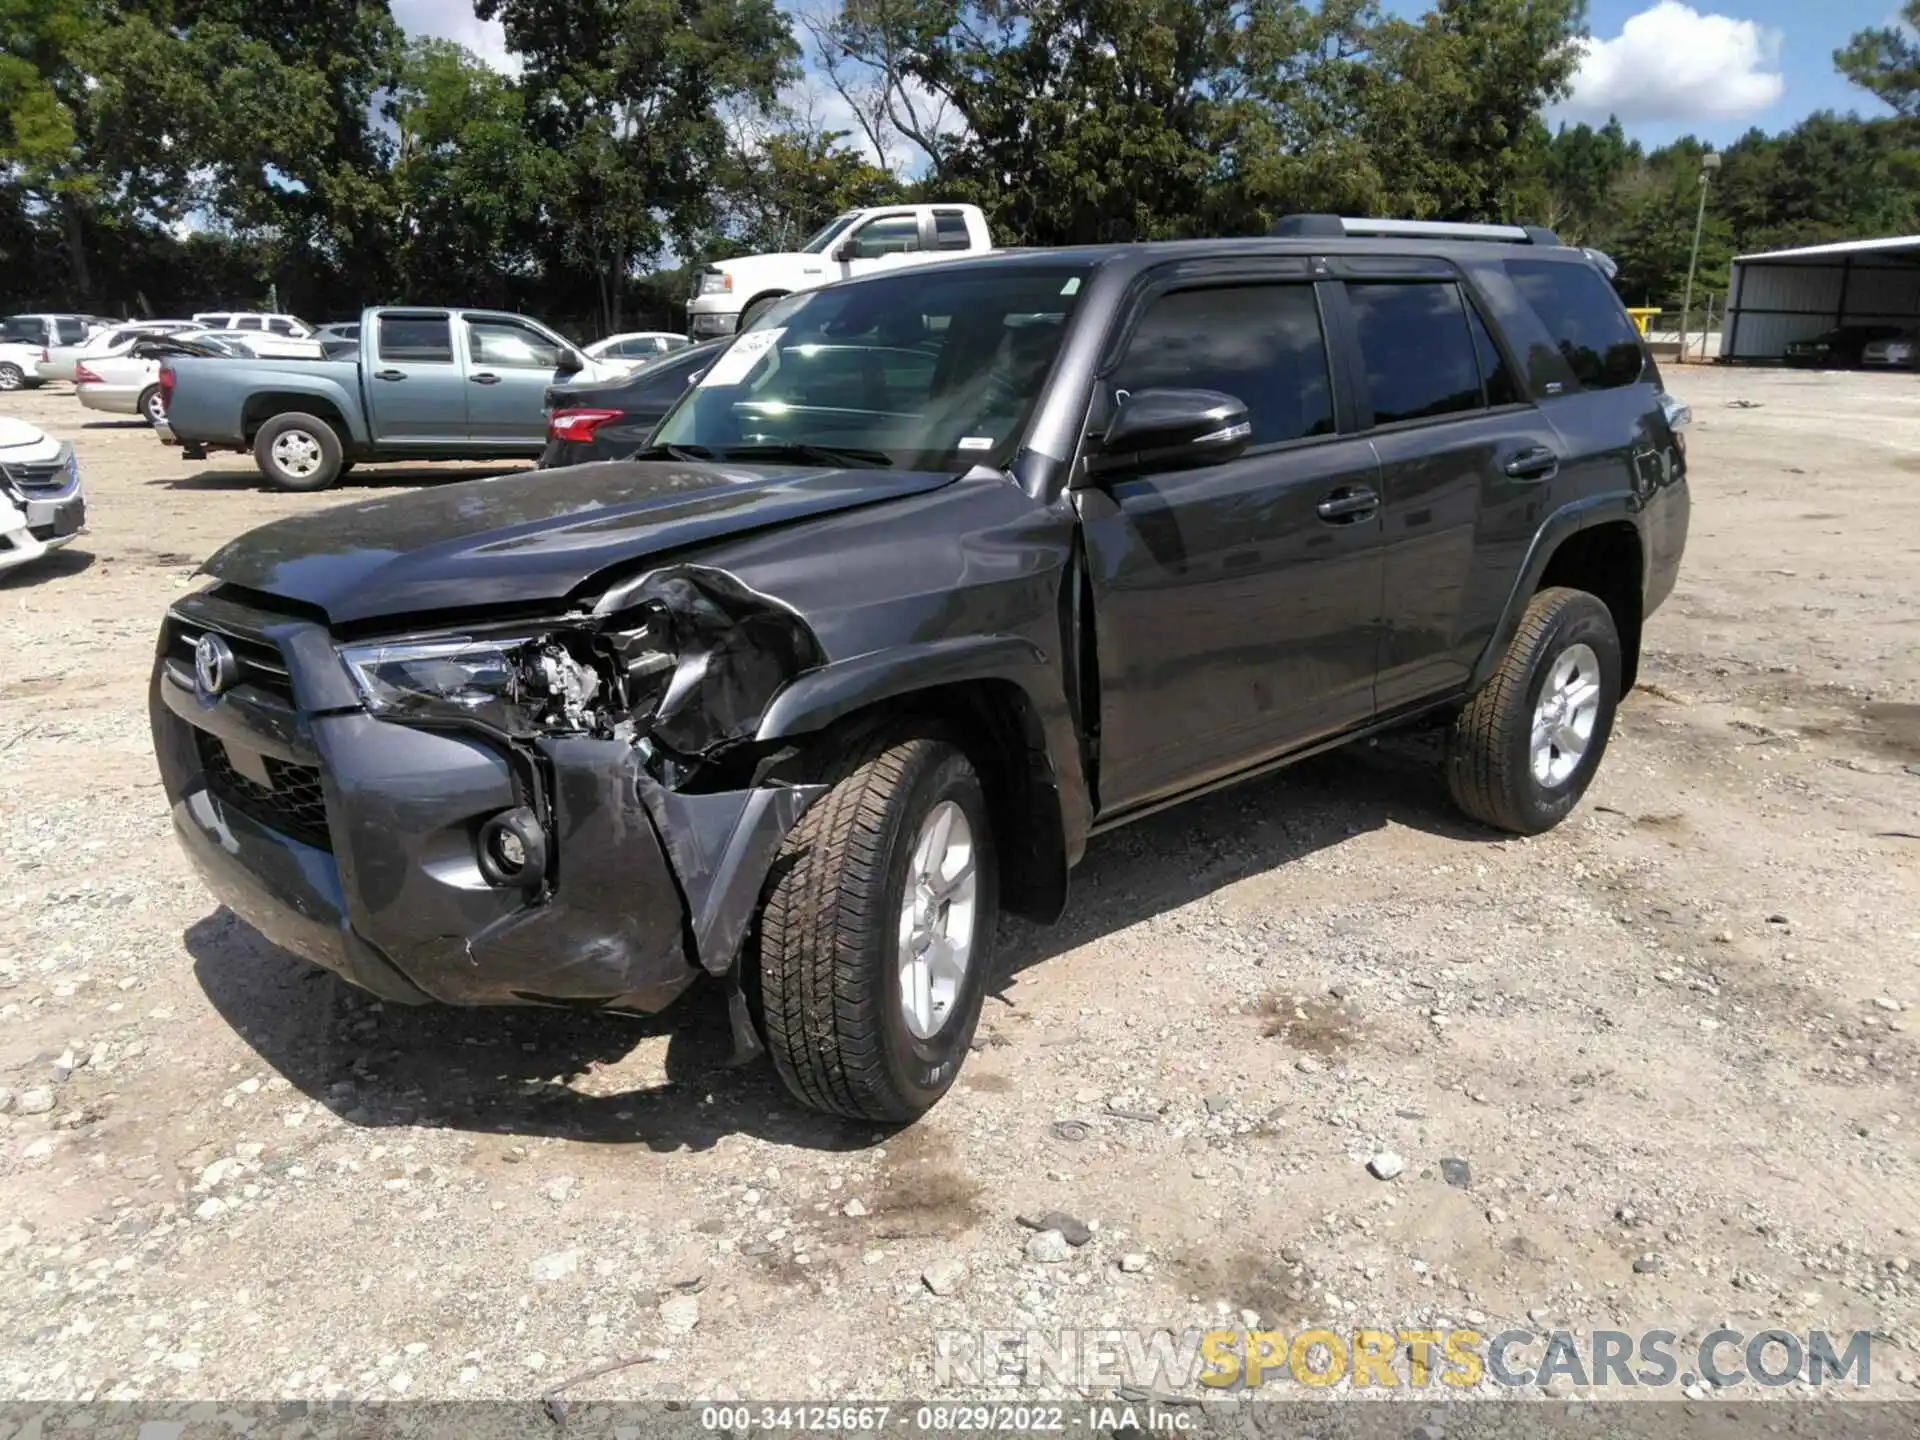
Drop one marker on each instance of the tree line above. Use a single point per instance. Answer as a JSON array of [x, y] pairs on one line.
[[158, 156]]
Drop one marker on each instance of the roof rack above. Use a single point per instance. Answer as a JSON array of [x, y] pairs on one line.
[[1343, 227]]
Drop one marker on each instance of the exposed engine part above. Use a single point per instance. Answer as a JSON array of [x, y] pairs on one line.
[[569, 684]]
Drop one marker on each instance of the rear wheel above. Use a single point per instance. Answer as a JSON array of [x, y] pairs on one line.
[[1523, 751], [12, 377], [153, 405], [298, 452], [876, 938]]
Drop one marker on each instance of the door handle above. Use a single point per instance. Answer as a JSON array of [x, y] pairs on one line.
[[485, 377], [1538, 463], [389, 374], [1348, 504]]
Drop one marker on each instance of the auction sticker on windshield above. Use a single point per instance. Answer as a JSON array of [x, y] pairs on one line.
[[733, 367]]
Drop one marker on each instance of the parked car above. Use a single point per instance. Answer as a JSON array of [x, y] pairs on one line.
[[734, 293], [129, 384], [20, 365], [1895, 352], [48, 330], [339, 341], [433, 385], [1839, 348], [611, 419], [116, 340], [41, 503], [809, 691], [636, 347]]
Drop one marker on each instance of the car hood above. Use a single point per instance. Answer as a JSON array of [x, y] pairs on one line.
[[530, 538]]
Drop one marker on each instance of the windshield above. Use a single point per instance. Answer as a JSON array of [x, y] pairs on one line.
[[824, 238], [920, 371]]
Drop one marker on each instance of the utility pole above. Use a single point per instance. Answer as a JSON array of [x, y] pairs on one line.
[[1709, 167]]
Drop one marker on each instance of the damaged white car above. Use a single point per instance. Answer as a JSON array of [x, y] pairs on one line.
[[41, 504]]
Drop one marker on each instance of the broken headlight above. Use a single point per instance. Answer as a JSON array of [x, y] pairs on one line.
[[517, 684]]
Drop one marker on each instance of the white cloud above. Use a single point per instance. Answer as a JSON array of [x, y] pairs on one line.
[[1670, 62], [455, 20]]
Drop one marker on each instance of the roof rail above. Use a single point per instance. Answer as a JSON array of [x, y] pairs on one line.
[[1342, 227]]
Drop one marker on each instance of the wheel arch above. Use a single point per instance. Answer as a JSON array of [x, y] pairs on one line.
[[1594, 545], [265, 405], [989, 693], [775, 293]]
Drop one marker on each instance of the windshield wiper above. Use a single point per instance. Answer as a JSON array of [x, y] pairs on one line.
[[819, 454], [672, 452]]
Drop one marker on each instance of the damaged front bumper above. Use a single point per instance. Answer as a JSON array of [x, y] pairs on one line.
[[369, 846]]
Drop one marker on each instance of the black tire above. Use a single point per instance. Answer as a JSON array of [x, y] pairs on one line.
[[1490, 768], [152, 407], [758, 308], [314, 430], [829, 991], [12, 377]]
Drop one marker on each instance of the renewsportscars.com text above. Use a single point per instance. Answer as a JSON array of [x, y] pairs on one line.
[[1364, 1357]]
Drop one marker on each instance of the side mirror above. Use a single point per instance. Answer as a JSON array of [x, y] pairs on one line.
[[570, 363], [1172, 429], [843, 252]]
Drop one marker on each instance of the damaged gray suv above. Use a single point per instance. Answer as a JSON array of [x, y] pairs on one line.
[[926, 579]]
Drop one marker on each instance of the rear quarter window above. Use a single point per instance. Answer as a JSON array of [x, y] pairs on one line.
[[1585, 319]]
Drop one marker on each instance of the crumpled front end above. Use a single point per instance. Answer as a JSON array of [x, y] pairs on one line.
[[559, 814]]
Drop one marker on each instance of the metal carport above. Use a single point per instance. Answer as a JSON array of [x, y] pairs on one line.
[[1787, 295]]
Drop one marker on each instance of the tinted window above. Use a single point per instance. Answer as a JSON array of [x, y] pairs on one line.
[[1585, 318], [889, 235], [501, 342], [281, 327], [639, 348], [1417, 349], [71, 332], [949, 230], [1259, 343], [422, 339], [661, 384], [250, 322], [1495, 373], [23, 329]]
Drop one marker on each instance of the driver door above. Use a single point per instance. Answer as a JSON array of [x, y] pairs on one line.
[[1237, 612], [882, 241]]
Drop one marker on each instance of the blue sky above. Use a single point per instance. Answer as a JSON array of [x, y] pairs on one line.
[[1712, 68]]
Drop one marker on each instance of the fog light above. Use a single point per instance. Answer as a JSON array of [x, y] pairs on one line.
[[512, 848]]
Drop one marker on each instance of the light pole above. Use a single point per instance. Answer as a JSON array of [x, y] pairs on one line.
[[1709, 167]]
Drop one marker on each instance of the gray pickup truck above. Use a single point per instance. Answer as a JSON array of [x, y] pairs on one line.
[[428, 384]]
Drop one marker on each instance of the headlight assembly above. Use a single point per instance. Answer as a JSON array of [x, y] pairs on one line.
[[715, 282], [520, 684]]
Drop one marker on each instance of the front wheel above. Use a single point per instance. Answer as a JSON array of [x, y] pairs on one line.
[[754, 311], [298, 452], [876, 937], [1523, 751], [12, 377]]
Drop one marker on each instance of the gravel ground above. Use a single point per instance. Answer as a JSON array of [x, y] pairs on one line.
[[1672, 1042]]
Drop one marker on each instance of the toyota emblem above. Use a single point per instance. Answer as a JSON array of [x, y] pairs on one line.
[[214, 668]]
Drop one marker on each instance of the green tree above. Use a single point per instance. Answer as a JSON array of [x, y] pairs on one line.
[[630, 93], [1886, 61]]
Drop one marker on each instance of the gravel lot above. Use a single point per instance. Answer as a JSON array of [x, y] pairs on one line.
[[1679, 1031]]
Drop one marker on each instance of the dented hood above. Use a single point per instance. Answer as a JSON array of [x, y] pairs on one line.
[[530, 537]]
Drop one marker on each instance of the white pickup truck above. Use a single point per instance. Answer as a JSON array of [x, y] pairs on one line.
[[733, 292]]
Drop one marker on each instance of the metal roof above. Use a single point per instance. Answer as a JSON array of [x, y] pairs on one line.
[[1839, 249]]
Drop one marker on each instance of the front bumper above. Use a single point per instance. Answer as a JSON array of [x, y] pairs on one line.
[[352, 841], [711, 315], [41, 507]]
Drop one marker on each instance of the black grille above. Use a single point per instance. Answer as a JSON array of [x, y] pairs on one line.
[[37, 479], [261, 663], [292, 804]]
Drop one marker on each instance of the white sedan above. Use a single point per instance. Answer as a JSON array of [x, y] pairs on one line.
[[41, 507], [129, 384], [61, 359], [636, 347]]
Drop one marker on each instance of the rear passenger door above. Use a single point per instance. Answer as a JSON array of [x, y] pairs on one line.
[[1463, 460], [1235, 605], [416, 393]]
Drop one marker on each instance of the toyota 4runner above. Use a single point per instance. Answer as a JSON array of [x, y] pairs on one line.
[[927, 578]]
